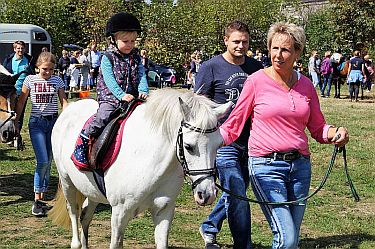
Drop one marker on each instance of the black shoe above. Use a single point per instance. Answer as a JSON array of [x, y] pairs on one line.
[[38, 209]]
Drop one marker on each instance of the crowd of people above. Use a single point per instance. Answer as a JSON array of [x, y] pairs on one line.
[[264, 140], [79, 69], [337, 69]]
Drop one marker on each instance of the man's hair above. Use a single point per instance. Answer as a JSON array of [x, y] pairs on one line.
[[236, 25], [22, 43]]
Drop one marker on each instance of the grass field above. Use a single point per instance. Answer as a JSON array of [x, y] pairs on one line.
[[332, 220]]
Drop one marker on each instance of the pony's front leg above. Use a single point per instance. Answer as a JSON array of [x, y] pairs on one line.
[[119, 220], [88, 210], [162, 214]]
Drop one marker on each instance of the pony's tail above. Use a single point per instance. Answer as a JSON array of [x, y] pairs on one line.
[[59, 213]]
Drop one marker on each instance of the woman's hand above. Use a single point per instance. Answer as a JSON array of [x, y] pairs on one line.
[[341, 136], [143, 96]]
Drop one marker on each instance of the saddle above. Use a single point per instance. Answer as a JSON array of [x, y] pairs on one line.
[[99, 147]]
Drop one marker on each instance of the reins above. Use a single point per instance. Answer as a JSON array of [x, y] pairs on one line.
[[180, 154], [329, 170]]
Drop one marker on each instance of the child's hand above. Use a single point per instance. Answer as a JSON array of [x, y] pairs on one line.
[[143, 96], [127, 97]]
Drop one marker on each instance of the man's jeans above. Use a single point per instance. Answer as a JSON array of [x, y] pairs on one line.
[[233, 174], [40, 134], [280, 181]]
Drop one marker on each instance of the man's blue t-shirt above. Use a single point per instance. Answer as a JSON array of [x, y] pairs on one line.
[[19, 65], [222, 81]]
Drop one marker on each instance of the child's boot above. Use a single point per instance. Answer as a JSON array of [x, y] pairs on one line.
[[80, 154]]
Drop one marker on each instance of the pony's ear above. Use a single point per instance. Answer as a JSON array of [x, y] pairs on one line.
[[221, 110], [185, 109]]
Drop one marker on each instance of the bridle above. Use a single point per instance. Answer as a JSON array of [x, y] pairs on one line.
[[181, 154], [12, 113]]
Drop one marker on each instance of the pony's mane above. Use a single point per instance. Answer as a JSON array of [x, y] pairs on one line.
[[164, 112]]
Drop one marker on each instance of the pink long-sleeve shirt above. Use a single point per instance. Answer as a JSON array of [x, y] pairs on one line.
[[278, 116]]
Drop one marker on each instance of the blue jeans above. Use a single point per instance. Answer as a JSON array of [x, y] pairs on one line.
[[280, 181], [327, 82], [233, 174], [40, 134]]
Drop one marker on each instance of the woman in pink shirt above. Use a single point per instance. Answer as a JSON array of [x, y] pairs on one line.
[[281, 103]]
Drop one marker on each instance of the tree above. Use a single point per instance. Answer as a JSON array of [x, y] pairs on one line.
[[346, 24]]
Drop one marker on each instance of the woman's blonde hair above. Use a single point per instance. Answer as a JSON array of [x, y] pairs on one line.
[[293, 31], [45, 57]]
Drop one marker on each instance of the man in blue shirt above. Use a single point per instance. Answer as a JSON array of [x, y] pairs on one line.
[[94, 58], [19, 62], [221, 79]]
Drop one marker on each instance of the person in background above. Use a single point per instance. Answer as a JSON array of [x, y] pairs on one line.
[[95, 63], [313, 67], [145, 61], [335, 75], [121, 79], [19, 62], [74, 67], [63, 65], [356, 75], [369, 71], [85, 70], [250, 54], [326, 71], [221, 79], [44, 90], [281, 103]]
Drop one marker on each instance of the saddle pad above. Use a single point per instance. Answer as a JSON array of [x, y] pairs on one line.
[[113, 150]]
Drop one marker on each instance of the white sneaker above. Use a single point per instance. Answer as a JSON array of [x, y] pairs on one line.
[[209, 240]]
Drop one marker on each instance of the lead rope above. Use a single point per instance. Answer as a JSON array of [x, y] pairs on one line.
[[329, 170]]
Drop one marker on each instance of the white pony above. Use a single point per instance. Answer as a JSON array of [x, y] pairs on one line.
[[171, 127]]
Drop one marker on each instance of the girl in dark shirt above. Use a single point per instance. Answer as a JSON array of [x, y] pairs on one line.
[[356, 75]]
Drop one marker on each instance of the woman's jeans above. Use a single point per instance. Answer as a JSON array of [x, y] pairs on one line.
[[327, 82], [315, 78], [233, 174], [40, 134], [280, 181]]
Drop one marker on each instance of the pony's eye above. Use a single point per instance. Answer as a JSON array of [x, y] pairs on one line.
[[189, 148]]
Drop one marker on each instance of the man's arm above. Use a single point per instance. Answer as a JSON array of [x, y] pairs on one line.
[[204, 80]]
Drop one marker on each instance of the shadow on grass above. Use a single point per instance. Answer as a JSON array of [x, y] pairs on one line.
[[20, 186], [352, 241], [5, 155]]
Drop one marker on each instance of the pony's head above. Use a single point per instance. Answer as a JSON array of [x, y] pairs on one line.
[[198, 140], [7, 107], [194, 119]]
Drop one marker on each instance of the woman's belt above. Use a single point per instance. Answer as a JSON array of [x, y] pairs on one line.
[[284, 156], [49, 117]]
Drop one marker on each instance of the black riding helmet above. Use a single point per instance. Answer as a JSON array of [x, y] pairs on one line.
[[122, 22]]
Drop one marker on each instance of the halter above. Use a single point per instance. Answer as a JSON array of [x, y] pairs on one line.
[[181, 154], [12, 113]]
